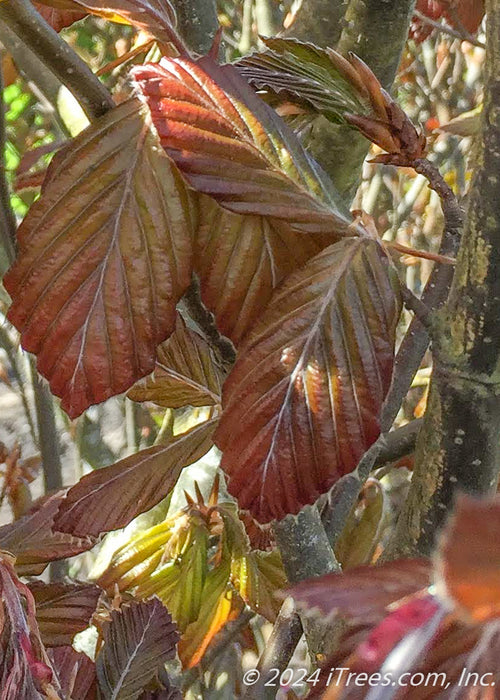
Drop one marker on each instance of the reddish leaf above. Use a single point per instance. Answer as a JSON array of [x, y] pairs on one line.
[[455, 648], [104, 256], [76, 673], [186, 372], [63, 609], [302, 403], [240, 261], [260, 536], [462, 14], [468, 559], [232, 146], [109, 498], [363, 594], [32, 541], [137, 642], [406, 618], [23, 671], [59, 19], [467, 13], [157, 17]]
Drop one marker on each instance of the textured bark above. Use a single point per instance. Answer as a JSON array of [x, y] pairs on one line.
[[319, 21], [306, 553], [459, 446], [197, 23]]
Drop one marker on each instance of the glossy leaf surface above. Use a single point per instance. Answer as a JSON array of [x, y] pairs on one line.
[[104, 256], [186, 372], [63, 609], [232, 146], [33, 542], [303, 401]]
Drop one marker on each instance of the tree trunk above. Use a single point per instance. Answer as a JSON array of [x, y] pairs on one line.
[[459, 446]]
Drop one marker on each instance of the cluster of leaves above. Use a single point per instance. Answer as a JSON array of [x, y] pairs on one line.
[[95, 302], [195, 174], [38, 624]]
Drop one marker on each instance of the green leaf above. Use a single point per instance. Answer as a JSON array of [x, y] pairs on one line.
[[257, 576], [140, 638], [304, 74], [231, 145], [33, 542], [179, 584], [63, 609], [215, 610], [137, 558], [104, 256], [303, 401], [186, 372], [109, 498], [363, 529]]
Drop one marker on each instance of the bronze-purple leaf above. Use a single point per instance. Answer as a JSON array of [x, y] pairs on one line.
[[186, 372], [303, 401], [33, 542], [63, 609], [104, 256], [109, 498], [364, 593], [75, 672], [139, 639]]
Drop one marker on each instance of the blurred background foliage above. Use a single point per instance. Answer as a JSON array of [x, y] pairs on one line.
[[198, 558]]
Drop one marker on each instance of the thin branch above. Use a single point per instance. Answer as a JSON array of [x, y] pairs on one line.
[[461, 34], [413, 303], [27, 23], [341, 498], [416, 340], [7, 218], [202, 316], [50, 449], [280, 647], [452, 212]]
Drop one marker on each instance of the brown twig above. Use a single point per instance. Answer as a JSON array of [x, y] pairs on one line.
[[279, 649], [202, 316], [29, 25], [413, 303], [453, 214], [461, 33], [340, 499]]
